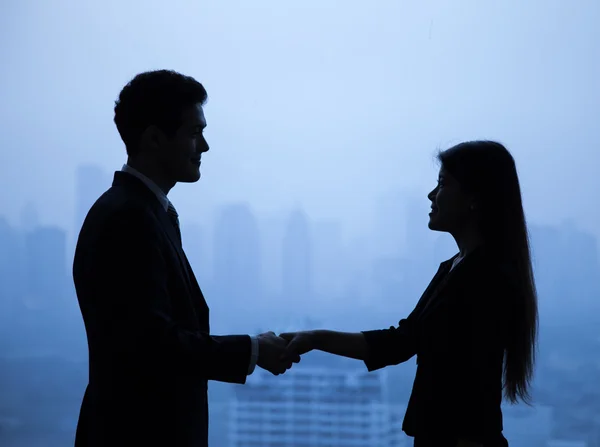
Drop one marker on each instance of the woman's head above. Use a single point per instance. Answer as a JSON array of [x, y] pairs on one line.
[[479, 191]]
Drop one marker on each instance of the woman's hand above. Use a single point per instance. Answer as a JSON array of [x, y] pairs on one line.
[[298, 343]]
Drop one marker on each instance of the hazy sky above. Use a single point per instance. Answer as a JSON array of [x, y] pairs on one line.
[[328, 104]]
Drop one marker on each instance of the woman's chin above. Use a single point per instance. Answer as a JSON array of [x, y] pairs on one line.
[[432, 224]]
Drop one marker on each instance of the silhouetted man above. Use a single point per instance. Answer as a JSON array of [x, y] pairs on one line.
[[146, 319]]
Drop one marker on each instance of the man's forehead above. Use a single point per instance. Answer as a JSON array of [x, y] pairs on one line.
[[194, 116]]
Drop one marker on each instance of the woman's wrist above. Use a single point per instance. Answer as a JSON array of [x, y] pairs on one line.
[[316, 338]]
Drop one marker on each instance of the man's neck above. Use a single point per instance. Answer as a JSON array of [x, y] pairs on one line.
[[152, 173]]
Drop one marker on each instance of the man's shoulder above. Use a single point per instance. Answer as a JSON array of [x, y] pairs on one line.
[[117, 208]]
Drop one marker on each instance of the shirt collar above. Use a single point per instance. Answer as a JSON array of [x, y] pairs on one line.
[[160, 195]]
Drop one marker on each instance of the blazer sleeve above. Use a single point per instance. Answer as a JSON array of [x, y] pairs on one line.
[[386, 347], [133, 305]]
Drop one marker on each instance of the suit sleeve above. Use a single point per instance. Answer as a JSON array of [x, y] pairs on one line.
[[133, 308], [253, 355], [386, 347]]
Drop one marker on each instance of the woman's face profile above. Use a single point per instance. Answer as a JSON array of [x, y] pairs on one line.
[[450, 206]]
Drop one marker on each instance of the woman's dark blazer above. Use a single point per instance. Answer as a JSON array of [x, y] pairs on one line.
[[458, 331]]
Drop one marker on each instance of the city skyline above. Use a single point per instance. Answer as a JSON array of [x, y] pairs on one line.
[[302, 259], [248, 263]]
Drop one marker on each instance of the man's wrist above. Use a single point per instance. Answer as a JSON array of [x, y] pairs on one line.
[[253, 354]]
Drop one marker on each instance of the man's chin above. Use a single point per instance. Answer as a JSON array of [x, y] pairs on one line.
[[191, 177]]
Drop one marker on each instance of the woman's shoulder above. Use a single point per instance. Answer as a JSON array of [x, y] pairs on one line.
[[488, 274]]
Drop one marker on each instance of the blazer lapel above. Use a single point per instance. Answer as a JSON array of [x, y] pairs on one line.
[[437, 286], [432, 288], [443, 290]]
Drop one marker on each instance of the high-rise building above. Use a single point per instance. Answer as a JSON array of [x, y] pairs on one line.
[[358, 285], [90, 182], [30, 218], [45, 259], [296, 257], [314, 407], [329, 269], [237, 268], [272, 230], [11, 267]]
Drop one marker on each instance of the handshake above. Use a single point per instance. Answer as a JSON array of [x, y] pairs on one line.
[[277, 354]]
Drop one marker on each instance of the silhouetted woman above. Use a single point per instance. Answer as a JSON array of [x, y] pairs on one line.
[[474, 329]]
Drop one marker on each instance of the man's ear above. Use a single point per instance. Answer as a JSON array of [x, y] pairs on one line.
[[152, 138]]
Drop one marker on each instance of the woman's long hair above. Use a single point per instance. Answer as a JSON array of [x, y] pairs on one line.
[[487, 170]]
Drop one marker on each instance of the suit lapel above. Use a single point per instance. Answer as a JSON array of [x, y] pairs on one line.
[[174, 240], [135, 185], [200, 303], [196, 297]]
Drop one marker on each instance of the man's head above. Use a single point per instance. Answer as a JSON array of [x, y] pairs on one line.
[[160, 119]]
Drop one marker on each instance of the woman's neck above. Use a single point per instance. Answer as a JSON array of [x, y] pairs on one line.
[[468, 242]]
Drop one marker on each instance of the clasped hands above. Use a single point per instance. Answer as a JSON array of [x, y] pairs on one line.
[[277, 354]]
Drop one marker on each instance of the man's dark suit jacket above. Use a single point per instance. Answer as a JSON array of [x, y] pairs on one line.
[[147, 324], [458, 332]]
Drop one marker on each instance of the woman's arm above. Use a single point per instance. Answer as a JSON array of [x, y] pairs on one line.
[[345, 344], [377, 348]]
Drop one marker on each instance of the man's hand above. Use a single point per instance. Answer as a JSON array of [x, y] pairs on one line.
[[298, 343], [270, 354]]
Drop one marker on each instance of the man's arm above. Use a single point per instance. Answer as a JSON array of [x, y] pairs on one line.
[[253, 355], [132, 309]]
